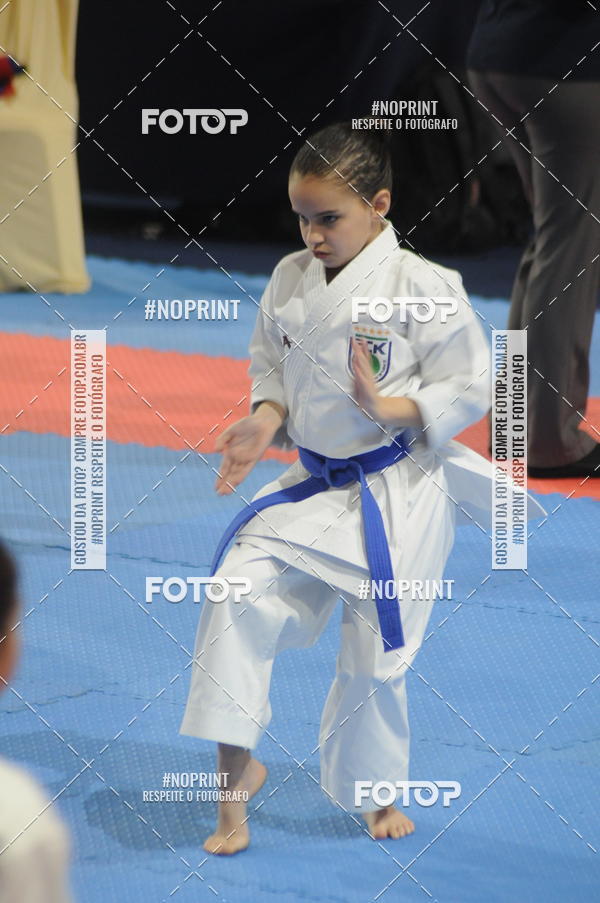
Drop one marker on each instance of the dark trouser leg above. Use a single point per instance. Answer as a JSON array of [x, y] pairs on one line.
[[556, 288]]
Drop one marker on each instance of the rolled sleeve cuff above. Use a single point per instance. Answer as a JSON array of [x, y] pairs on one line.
[[443, 419]]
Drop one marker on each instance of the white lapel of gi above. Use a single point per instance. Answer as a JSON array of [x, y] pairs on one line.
[[323, 301], [327, 307]]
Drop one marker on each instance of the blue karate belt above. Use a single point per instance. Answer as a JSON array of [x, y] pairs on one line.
[[326, 472]]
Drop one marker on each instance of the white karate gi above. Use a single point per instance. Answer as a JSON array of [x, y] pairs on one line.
[[299, 555], [34, 843]]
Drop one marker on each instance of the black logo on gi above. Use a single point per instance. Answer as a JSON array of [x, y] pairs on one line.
[[287, 342]]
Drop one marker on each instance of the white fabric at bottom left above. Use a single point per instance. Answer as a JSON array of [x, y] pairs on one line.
[[34, 843]]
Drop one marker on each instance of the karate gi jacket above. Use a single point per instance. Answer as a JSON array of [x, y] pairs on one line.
[[36, 846], [301, 358]]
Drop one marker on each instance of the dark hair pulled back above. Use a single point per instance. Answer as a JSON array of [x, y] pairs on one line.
[[361, 157]]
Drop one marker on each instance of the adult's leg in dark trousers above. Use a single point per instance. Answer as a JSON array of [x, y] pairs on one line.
[[485, 90], [562, 288], [562, 283]]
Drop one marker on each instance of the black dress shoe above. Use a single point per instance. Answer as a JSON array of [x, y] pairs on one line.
[[589, 466]]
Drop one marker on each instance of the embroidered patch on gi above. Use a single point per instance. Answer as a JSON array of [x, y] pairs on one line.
[[380, 346]]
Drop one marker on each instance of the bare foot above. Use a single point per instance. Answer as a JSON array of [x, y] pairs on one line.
[[245, 774], [388, 822]]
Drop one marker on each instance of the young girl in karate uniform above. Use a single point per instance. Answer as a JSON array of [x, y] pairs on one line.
[[338, 389]]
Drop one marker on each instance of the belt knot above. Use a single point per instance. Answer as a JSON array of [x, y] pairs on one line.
[[339, 471]]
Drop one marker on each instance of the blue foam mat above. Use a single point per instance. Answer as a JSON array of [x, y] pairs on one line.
[[502, 698], [120, 289]]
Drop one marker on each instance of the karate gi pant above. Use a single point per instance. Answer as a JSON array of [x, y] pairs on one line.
[[364, 732]]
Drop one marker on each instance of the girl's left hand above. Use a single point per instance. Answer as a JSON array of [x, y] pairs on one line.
[[366, 392]]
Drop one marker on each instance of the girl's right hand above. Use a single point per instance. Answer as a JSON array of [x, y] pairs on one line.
[[243, 444]]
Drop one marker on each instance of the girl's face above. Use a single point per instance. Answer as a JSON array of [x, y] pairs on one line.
[[335, 222]]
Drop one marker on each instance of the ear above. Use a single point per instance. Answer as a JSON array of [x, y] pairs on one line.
[[381, 203]]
